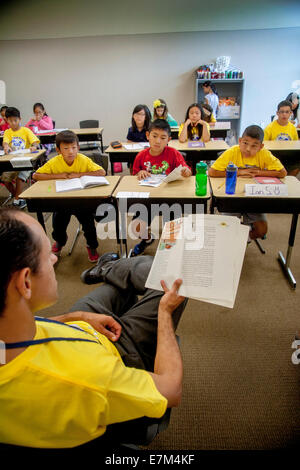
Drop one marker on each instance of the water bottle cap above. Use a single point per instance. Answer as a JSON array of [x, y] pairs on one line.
[[201, 166], [231, 165]]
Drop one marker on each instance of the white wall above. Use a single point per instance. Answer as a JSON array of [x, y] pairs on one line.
[[36, 19], [105, 77]]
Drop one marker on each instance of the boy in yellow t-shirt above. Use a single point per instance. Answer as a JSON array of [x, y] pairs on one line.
[[252, 160], [282, 129], [17, 138], [70, 164]]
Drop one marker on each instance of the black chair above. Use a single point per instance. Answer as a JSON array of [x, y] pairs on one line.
[[89, 123]]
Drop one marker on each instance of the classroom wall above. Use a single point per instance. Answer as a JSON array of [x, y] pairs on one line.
[[104, 77]]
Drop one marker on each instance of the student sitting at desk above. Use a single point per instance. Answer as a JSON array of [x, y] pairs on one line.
[[41, 122], [252, 160], [208, 115], [140, 120], [158, 159], [70, 164], [3, 119], [282, 129], [160, 111], [17, 138], [194, 127]]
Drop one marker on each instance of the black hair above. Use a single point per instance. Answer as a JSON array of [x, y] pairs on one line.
[[66, 137], [199, 126], [284, 103], [207, 117], [255, 132], [3, 107], [12, 112], [212, 86], [19, 248], [39, 105], [163, 105], [290, 98], [161, 124], [137, 109]]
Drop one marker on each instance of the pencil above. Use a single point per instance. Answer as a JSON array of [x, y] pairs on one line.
[[221, 185]]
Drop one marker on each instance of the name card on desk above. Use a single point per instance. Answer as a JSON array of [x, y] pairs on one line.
[[266, 190], [21, 162]]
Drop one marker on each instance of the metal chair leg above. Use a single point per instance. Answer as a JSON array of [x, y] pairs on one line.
[[75, 239]]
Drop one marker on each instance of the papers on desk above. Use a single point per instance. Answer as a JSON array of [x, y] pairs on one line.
[[137, 146], [154, 181], [80, 183], [20, 152], [206, 252], [132, 195], [50, 131], [175, 175], [21, 162]]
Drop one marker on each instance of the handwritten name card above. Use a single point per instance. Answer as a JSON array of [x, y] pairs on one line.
[[266, 190]]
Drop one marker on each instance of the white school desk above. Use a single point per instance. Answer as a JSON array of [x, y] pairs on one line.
[[208, 152], [239, 202], [33, 159], [217, 129], [180, 192], [42, 197]]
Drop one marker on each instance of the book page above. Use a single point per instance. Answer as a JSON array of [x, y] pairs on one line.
[[88, 180], [68, 185], [175, 175], [208, 257]]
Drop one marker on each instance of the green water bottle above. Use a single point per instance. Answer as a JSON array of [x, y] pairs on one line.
[[201, 179]]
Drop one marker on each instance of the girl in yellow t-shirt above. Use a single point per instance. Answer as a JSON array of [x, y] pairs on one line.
[[194, 127]]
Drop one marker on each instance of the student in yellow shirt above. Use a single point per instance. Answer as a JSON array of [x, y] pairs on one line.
[[17, 138], [282, 129], [252, 160], [63, 382], [70, 164], [208, 115], [194, 126]]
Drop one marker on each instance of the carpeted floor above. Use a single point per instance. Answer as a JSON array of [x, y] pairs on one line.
[[241, 390]]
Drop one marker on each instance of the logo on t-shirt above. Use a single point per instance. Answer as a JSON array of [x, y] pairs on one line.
[[157, 169], [17, 143], [283, 136]]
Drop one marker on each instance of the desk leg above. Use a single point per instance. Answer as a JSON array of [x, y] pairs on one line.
[[111, 166], [284, 263]]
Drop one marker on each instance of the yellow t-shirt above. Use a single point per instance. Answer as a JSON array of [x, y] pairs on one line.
[[264, 160], [64, 393], [20, 139], [212, 118], [274, 131], [194, 130], [81, 164]]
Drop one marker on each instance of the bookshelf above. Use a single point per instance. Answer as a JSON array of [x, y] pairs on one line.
[[225, 87]]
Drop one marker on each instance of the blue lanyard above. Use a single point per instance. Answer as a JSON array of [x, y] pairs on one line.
[[25, 344]]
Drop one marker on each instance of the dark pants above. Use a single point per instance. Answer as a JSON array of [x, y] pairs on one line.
[[60, 222], [124, 280]]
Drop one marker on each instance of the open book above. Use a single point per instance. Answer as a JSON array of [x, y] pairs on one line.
[[80, 183], [206, 252]]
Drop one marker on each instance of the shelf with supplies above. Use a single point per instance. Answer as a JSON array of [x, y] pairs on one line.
[[229, 89]]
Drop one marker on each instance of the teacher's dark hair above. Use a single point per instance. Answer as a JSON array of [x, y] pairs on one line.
[[19, 249]]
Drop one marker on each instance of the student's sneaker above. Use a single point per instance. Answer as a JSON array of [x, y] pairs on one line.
[[92, 254], [56, 248], [141, 247], [94, 275], [20, 203]]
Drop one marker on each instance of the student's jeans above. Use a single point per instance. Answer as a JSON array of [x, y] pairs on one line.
[[60, 222]]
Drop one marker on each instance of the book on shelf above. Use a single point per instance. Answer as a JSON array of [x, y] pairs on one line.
[[83, 182], [206, 252]]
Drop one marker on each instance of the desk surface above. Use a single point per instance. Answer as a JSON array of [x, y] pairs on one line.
[[32, 156], [215, 145], [46, 190], [282, 144], [219, 125], [89, 130], [218, 188], [180, 189]]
